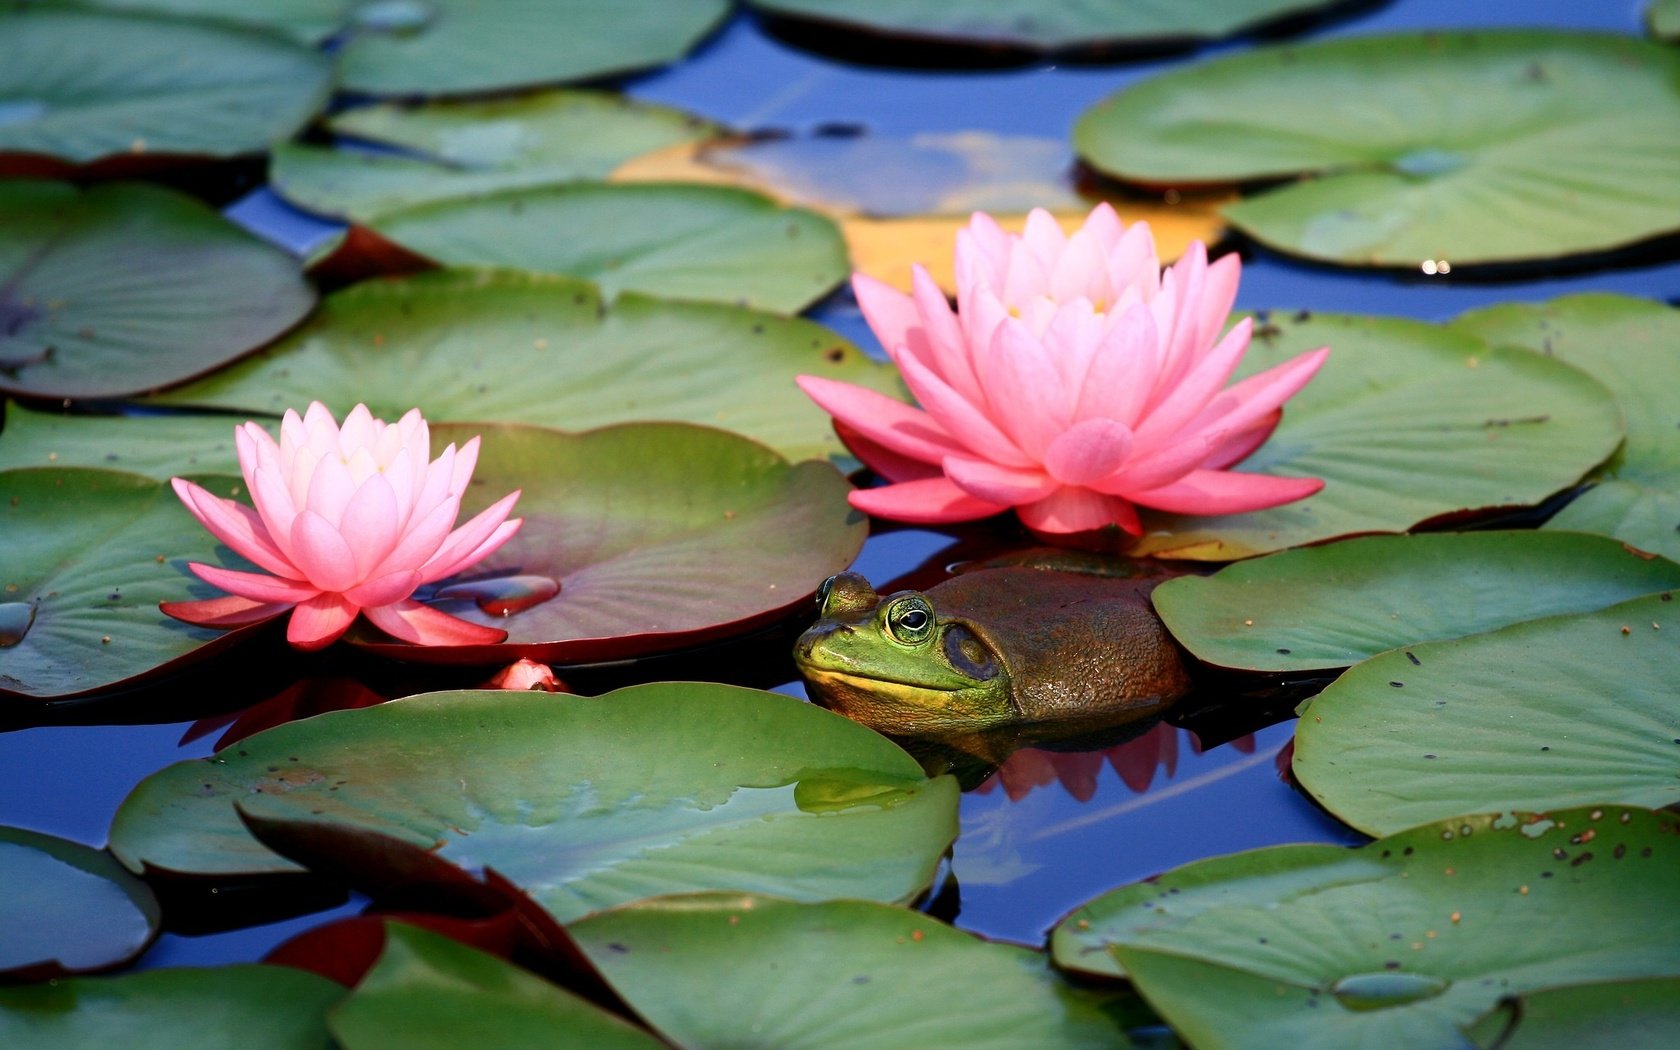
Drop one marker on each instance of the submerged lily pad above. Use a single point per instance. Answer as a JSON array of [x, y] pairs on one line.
[[679, 242], [1335, 605], [429, 991], [68, 908], [1402, 941], [452, 149], [1555, 712], [583, 802], [523, 348], [1405, 422], [83, 86], [721, 970], [126, 288], [658, 536], [452, 47], [1043, 27], [88, 554], [1604, 1013], [1632, 346], [262, 1007], [158, 446], [901, 201], [1469, 147]]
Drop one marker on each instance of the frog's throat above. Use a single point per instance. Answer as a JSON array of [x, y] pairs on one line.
[[900, 708]]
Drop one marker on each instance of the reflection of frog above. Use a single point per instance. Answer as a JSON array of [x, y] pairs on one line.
[[993, 648]]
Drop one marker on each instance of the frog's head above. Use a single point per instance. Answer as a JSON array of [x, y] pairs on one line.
[[897, 665]]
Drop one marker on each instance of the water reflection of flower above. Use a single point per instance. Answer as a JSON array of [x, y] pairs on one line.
[[346, 521], [1074, 383], [1079, 772]]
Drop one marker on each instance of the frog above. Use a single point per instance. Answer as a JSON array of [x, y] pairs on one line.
[[996, 648]]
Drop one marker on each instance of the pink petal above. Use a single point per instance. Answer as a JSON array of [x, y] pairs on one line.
[[370, 524], [1244, 404], [1154, 469], [884, 461], [471, 541], [466, 460], [1226, 492], [330, 490], [1241, 445], [1088, 451], [320, 621], [234, 524], [421, 538], [996, 484], [1025, 390], [383, 590], [1070, 510], [883, 420], [931, 501], [274, 506], [946, 349], [891, 314], [254, 586], [322, 553], [1079, 271], [1198, 386], [965, 422], [1043, 237], [1219, 295], [231, 611], [424, 625], [1122, 372]]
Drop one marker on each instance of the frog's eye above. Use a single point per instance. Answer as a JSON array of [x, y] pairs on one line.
[[910, 620], [823, 592]]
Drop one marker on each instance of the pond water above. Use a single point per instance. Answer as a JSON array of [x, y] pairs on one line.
[[1055, 829]]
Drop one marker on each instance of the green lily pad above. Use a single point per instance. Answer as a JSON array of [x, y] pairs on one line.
[[429, 991], [1603, 1013], [523, 348], [126, 288], [1405, 422], [1663, 18], [1554, 712], [88, 555], [749, 971], [308, 21], [83, 86], [263, 1007], [1632, 346], [711, 243], [1043, 27], [660, 537], [1401, 942], [68, 908], [158, 446], [452, 47], [1468, 147], [583, 802], [1335, 605], [463, 148]]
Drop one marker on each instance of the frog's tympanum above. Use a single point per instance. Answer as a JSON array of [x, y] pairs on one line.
[[989, 649]]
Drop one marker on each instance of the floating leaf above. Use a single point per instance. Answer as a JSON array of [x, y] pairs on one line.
[[127, 288], [263, 1007], [305, 20], [846, 974], [1549, 713], [521, 348], [452, 47], [1603, 1013], [1632, 346], [1042, 27], [446, 150], [82, 86], [68, 908], [158, 446], [583, 802], [678, 242], [1335, 605], [1470, 147], [1402, 941], [88, 555], [1405, 422], [1663, 18], [901, 201], [659, 537], [429, 991]]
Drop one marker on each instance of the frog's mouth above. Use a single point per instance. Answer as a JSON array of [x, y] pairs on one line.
[[899, 708]]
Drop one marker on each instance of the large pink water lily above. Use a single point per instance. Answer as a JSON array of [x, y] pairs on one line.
[[1074, 383], [347, 520]]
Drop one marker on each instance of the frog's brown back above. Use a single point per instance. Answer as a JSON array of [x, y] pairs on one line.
[[1075, 645]]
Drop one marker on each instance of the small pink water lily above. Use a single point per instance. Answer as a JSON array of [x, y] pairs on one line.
[[348, 520], [1074, 383]]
